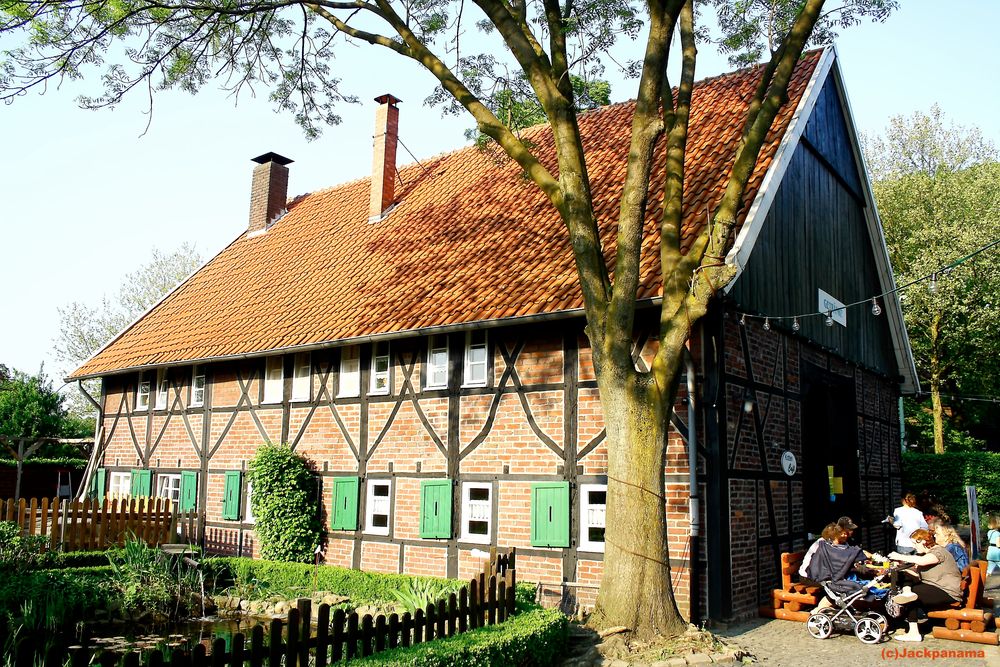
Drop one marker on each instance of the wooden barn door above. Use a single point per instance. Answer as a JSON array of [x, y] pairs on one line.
[[832, 487]]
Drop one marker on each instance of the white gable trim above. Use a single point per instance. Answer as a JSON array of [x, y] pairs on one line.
[[743, 247]]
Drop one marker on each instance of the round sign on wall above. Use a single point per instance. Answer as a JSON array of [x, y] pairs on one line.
[[788, 463]]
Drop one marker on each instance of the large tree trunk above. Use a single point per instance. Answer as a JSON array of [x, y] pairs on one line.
[[937, 410], [636, 591]]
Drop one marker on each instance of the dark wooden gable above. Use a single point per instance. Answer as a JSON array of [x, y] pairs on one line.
[[815, 236]]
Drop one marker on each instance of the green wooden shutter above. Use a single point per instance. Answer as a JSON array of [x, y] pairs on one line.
[[189, 491], [231, 495], [133, 485], [550, 514], [344, 513], [145, 483], [435, 508], [97, 484]]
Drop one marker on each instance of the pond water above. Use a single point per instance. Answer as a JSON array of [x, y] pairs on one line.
[[184, 635]]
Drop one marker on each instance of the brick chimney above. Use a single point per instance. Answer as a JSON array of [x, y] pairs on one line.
[[384, 157], [268, 191]]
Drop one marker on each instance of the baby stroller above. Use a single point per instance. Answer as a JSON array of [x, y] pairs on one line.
[[870, 626]]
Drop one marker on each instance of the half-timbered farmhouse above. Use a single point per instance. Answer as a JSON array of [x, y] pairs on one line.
[[418, 335]]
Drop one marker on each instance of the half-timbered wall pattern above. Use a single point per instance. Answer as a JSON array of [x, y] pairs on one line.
[[538, 419], [765, 377]]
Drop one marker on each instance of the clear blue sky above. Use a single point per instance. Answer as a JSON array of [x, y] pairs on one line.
[[86, 195]]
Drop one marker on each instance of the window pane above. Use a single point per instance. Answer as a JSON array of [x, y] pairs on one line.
[[381, 364], [597, 497], [477, 355], [479, 528], [479, 493], [380, 520], [595, 534], [381, 490]]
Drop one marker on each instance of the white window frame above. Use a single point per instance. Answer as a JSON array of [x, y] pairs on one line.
[[119, 485], [302, 377], [591, 516], [378, 505], [437, 368], [473, 510], [162, 389], [142, 392], [248, 516], [378, 377], [197, 392], [349, 383], [274, 379], [469, 365], [172, 482]]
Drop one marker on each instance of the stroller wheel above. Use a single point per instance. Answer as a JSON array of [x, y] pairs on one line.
[[869, 630], [819, 625]]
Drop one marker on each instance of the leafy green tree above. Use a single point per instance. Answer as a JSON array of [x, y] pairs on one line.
[[291, 47], [30, 408], [938, 193], [86, 328], [284, 505]]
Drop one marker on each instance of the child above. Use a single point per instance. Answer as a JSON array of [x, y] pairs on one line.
[[993, 539]]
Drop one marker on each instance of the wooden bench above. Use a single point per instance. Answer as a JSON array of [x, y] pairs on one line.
[[792, 601], [970, 619]]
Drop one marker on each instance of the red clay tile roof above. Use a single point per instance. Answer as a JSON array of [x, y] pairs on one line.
[[470, 240]]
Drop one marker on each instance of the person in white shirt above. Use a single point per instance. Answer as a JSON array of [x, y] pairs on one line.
[[905, 519]]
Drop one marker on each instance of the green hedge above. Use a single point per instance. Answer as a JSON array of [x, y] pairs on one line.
[[62, 461], [360, 587], [945, 477], [532, 637], [76, 592]]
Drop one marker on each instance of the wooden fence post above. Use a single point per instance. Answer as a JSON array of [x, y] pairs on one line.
[[257, 646], [292, 648], [406, 624], [393, 631], [338, 635], [322, 634], [304, 607], [274, 650]]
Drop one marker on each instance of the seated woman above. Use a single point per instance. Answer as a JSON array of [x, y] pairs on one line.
[[946, 536], [940, 583], [831, 560]]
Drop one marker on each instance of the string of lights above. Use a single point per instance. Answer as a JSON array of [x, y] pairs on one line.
[[876, 307]]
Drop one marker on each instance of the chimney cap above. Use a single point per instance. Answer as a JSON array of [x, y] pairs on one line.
[[272, 157], [389, 99]]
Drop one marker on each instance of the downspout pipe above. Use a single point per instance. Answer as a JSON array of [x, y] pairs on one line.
[[88, 472], [694, 600]]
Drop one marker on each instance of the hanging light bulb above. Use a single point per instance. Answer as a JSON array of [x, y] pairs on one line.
[[876, 309], [829, 318], [932, 287], [795, 324], [767, 324], [743, 320]]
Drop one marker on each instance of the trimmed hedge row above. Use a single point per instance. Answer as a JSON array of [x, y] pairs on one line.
[[945, 477], [360, 587], [531, 637], [76, 592]]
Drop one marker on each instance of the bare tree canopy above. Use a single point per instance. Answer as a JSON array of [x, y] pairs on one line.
[[289, 47]]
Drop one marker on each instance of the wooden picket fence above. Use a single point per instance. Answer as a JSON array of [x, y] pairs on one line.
[[74, 525], [487, 599]]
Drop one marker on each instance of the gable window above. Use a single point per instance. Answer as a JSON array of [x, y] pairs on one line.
[[350, 372], [120, 485], [477, 512], [274, 379], [437, 362], [475, 359], [302, 377], [142, 393], [197, 386], [593, 501], [161, 389], [377, 506], [169, 486], [380, 369]]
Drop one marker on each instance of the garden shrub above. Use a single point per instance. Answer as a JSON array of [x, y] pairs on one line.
[[19, 552], [148, 581], [531, 637], [296, 578], [945, 476], [45, 599], [284, 504]]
